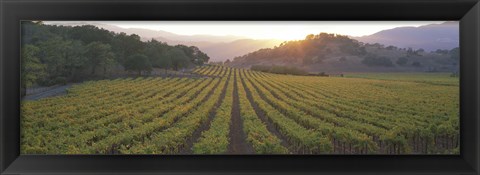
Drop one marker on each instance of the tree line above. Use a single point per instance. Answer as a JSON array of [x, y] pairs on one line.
[[277, 69], [54, 54], [339, 50]]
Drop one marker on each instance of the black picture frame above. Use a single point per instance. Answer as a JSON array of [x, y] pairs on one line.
[[466, 11]]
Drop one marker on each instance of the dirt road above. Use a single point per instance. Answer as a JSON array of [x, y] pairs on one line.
[[60, 90]]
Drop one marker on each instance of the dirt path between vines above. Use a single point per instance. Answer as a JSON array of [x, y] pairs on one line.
[[238, 143]]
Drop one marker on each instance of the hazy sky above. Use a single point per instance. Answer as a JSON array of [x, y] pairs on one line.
[[285, 30]]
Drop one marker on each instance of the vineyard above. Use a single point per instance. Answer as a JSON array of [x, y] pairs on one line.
[[238, 111]]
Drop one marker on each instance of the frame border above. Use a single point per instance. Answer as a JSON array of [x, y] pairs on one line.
[[466, 11]]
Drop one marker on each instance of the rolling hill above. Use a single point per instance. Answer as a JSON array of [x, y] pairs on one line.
[[337, 53]]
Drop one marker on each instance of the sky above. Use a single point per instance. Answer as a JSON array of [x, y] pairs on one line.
[[283, 30]]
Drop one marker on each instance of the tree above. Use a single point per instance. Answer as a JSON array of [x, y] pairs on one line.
[[75, 60], [195, 55], [125, 46], [416, 64], [63, 59], [227, 62], [32, 68], [53, 53], [455, 53], [310, 37], [178, 58], [391, 47], [402, 61], [442, 51], [373, 60], [164, 61], [154, 51], [99, 54], [89, 33], [138, 63], [74, 53], [279, 69], [32, 33]]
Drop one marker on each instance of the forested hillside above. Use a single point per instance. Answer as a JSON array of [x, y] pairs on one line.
[[337, 53], [61, 54]]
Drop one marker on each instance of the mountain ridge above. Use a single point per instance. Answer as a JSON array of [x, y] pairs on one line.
[[428, 37], [219, 48]]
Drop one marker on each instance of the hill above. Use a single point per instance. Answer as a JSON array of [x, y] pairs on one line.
[[337, 53], [429, 37]]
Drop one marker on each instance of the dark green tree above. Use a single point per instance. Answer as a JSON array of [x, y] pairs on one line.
[[374, 60], [178, 58], [155, 50], [32, 68], [138, 63], [75, 60], [227, 62], [455, 53], [76, 53], [416, 64], [125, 46], [195, 55], [53, 53], [402, 61], [99, 55], [88, 34]]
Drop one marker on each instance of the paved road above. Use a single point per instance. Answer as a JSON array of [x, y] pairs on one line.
[[60, 90]]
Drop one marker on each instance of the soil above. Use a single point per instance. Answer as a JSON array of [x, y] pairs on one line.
[[56, 91], [238, 144]]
